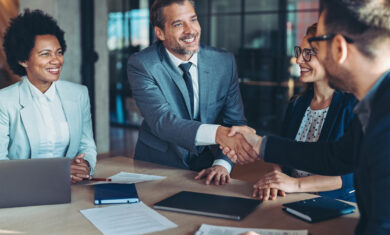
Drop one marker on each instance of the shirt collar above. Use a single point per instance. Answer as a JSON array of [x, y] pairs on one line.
[[363, 108], [36, 93], [176, 61]]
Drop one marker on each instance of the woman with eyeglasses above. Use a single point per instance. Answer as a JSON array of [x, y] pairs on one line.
[[320, 113]]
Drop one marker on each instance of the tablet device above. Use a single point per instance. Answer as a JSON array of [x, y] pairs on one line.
[[226, 207]]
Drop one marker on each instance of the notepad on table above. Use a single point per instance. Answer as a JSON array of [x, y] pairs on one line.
[[115, 194], [225, 207], [318, 209]]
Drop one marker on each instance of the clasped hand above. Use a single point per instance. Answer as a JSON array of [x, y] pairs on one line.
[[79, 169], [239, 143]]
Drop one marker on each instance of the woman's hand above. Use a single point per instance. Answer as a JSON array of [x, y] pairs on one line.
[[79, 169], [274, 183]]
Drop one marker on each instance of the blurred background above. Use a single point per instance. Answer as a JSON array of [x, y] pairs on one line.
[[102, 34]]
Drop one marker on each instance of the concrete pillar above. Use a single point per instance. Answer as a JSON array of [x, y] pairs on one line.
[[67, 13]]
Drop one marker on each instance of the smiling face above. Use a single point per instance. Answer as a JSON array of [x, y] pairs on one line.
[[181, 33], [311, 71], [45, 62]]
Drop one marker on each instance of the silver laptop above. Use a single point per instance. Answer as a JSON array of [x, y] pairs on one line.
[[34, 182]]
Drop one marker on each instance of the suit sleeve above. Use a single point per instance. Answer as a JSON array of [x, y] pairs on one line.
[[324, 158], [87, 143], [377, 175], [233, 110], [4, 133], [157, 113]]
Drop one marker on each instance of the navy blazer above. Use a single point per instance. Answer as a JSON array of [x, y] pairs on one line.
[[338, 119], [367, 155]]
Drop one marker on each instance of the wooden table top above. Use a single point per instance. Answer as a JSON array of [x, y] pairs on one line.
[[67, 219]]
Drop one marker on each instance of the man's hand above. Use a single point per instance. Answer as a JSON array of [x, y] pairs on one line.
[[79, 169], [243, 151], [250, 136], [276, 180], [216, 173]]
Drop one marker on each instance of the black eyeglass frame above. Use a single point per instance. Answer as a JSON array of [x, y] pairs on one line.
[[325, 37], [304, 51]]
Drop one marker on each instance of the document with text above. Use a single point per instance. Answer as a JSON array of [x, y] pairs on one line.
[[135, 218], [207, 229], [128, 178]]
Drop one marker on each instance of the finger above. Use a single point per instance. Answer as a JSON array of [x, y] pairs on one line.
[[217, 179], [78, 157], [79, 169], [261, 194], [227, 150], [76, 179], [227, 179], [255, 192], [210, 177], [266, 193], [83, 176], [274, 193], [282, 193], [200, 174]]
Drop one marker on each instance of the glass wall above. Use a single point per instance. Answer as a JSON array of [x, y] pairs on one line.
[[128, 32], [261, 34]]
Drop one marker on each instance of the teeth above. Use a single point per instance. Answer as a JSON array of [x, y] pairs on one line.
[[53, 70], [305, 70], [189, 40]]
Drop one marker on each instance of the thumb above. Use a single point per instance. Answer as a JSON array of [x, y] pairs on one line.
[[232, 131]]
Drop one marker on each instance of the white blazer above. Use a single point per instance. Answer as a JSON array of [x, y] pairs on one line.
[[19, 136]]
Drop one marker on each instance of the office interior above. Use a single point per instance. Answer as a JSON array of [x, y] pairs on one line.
[[102, 34]]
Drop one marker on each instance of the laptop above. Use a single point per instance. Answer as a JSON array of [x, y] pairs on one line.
[[30, 182]]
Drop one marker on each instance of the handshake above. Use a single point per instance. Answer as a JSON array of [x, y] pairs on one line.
[[239, 143]]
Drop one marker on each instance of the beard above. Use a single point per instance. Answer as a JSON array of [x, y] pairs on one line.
[[182, 50], [338, 78]]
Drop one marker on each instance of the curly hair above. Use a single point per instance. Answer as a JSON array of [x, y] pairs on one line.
[[19, 38]]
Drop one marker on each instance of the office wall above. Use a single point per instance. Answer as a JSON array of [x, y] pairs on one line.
[[67, 13]]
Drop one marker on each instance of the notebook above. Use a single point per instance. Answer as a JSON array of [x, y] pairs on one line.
[[115, 194], [31, 182], [225, 207], [318, 209]]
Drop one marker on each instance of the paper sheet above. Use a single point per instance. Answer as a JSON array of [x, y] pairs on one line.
[[206, 229], [127, 219], [128, 178]]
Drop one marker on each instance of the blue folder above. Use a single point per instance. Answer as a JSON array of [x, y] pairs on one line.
[[318, 209], [115, 194]]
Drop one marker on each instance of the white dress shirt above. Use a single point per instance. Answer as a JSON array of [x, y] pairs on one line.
[[52, 125], [206, 132]]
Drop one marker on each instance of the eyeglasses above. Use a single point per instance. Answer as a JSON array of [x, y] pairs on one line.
[[306, 53], [325, 38]]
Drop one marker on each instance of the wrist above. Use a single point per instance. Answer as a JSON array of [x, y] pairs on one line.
[[219, 135], [298, 185]]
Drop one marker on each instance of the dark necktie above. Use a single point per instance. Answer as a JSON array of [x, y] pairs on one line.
[[188, 80]]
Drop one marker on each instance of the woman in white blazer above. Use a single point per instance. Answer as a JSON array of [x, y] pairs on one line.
[[41, 117]]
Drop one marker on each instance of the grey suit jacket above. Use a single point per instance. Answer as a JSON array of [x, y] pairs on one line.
[[19, 136], [168, 131]]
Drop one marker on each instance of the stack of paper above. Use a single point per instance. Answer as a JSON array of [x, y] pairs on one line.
[[127, 219], [206, 229]]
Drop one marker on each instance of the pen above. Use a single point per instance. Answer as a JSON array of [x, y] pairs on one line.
[[100, 179]]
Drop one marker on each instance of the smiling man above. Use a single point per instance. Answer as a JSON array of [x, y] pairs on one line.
[[182, 89]]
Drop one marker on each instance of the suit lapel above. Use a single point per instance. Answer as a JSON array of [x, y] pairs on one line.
[[28, 117], [72, 114], [204, 80], [175, 75]]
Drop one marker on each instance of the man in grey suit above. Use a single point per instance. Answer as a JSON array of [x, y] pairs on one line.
[[183, 89]]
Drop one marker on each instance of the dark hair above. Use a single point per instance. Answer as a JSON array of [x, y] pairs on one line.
[[312, 29], [156, 11], [365, 22], [19, 38]]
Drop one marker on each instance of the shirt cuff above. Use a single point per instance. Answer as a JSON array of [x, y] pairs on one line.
[[206, 134], [262, 147], [224, 163]]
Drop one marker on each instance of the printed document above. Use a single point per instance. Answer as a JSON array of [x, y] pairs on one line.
[[207, 229], [128, 178], [127, 219]]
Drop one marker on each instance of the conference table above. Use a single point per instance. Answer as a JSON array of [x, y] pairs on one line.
[[67, 219]]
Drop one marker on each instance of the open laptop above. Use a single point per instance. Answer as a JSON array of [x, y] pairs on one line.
[[31, 182]]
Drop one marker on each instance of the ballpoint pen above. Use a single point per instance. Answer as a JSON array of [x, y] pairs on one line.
[[100, 179]]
